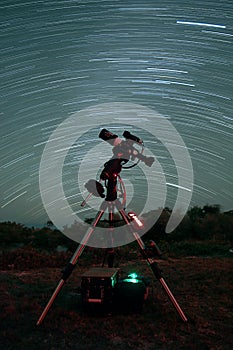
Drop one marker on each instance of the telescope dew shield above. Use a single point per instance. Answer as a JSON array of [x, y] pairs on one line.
[[108, 136]]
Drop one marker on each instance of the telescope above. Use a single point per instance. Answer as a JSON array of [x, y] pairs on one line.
[[109, 136], [124, 149]]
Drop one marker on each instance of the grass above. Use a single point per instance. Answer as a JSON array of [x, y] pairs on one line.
[[202, 286]]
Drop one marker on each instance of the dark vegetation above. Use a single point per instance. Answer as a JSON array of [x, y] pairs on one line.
[[203, 232], [197, 265]]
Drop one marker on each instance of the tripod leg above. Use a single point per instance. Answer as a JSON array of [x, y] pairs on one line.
[[111, 251], [69, 268], [156, 271], [154, 267]]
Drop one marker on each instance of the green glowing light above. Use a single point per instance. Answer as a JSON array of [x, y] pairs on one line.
[[132, 278]]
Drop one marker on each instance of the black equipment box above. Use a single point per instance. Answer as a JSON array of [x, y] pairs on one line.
[[130, 296], [97, 285]]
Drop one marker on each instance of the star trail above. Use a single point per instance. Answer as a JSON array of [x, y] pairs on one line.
[[59, 57]]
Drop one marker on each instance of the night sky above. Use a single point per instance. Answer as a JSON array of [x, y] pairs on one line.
[[60, 57]]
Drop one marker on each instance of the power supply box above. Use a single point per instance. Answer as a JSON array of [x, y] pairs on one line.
[[97, 285]]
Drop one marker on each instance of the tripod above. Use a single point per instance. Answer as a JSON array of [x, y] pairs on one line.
[[110, 175]]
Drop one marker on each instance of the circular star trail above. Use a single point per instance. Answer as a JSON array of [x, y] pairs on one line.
[[59, 57]]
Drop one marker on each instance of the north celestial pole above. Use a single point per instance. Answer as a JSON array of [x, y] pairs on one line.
[[59, 57]]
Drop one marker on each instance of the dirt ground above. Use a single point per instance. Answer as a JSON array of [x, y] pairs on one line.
[[202, 286]]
